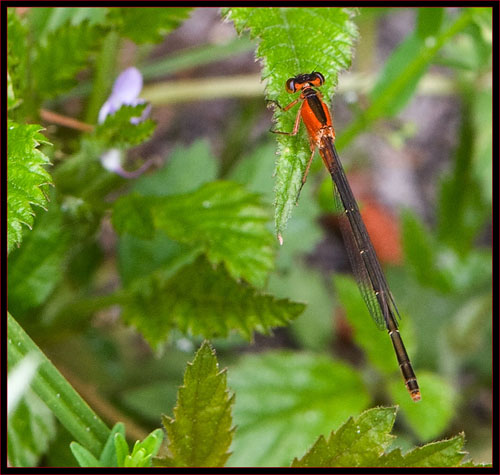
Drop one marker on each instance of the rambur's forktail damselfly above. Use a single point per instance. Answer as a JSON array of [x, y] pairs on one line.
[[367, 270]]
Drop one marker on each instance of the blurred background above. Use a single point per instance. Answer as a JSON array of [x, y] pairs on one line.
[[423, 181]]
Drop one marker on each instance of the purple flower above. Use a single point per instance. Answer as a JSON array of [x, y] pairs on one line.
[[126, 90]]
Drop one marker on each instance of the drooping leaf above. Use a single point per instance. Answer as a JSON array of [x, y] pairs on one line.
[[294, 41], [200, 431], [26, 178], [255, 171], [363, 442], [221, 218], [202, 300], [148, 25], [285, 400], [31, 428], [118, 130]]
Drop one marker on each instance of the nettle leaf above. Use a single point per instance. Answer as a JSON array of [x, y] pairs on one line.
[[362, 442], [119, 129], [445, 453], [60, 55], [148, 25], [357, 443], [286, 400], [294, 41], [202, 300], [26, 177], [223, 219], [45, 21], [200, 433]]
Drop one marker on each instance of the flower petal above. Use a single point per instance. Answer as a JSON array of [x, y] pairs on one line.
[[126, 90]]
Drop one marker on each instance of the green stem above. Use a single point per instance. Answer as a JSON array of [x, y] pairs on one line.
[[203, 89], [104, 76], [59, 396]]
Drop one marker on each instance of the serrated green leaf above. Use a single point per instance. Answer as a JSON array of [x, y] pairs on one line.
[[357, 443], [200, 433], [362, 442], [286, 400], [61, 55], [295, 41], [26, 178], [30, 428], [118, 131], [148, 25], [203, 300], [45, 21], [221, 218], [228, 222], [445, 453]]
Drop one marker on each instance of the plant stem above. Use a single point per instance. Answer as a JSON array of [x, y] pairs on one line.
[[104, 76], [59, 396]]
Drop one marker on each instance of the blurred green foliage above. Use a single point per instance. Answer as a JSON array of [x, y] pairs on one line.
[[187, 252]]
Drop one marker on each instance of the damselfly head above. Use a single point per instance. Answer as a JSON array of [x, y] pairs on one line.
[[314, 79]]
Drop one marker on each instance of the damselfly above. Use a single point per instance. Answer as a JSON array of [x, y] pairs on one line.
[[367, 270]]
